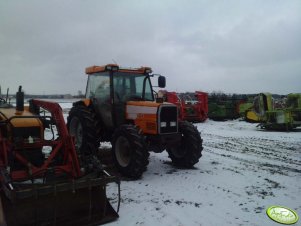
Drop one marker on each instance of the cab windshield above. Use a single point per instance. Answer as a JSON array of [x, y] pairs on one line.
[[131, 86]]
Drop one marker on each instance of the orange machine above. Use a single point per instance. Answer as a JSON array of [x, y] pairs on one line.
[[45, 181], [121, 107]]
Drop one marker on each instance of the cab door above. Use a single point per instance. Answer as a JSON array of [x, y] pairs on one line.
[[121, 89], [99, 91]]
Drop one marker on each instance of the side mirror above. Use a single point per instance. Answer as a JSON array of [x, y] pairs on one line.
[[161, 81]]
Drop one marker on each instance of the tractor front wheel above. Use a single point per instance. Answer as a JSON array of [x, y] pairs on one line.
[[190, 149], [82, 124], [130, 151]]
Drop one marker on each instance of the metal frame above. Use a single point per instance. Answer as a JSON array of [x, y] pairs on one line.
[[64, 144]]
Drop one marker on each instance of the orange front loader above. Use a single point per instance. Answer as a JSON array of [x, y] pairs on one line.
[[45, 181]]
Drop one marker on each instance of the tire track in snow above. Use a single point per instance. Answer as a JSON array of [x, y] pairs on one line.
[[274, 159]]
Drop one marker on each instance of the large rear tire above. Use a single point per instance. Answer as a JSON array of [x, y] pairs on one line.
[[130, 152], [82, 124], [188, 153]]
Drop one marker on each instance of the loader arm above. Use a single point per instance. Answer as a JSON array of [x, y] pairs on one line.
[[57, 115]]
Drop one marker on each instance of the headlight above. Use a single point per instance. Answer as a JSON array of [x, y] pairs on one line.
[[110, 67], [115, 68], [147, 70], [173, 124], [163, 124]]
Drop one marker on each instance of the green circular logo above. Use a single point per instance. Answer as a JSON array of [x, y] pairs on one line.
[[282, 215]]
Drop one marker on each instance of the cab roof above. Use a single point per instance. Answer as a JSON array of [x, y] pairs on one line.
[[115, 67]]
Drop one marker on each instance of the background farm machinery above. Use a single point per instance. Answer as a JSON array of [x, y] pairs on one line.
[[275, 114], [192, 107], [223, 107]]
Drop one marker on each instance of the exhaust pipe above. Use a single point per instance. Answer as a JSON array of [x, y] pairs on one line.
[[20, 100]]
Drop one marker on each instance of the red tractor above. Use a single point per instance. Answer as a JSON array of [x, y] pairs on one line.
[[190, 109]]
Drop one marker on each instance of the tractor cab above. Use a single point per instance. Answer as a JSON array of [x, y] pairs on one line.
[[111, 87]]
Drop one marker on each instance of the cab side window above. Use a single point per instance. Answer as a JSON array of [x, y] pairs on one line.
[[122, 87], [98, 86]]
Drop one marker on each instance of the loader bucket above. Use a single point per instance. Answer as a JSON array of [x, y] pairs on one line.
[[77, 202]]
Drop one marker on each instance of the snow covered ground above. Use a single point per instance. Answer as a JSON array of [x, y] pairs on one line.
[[242, 172]]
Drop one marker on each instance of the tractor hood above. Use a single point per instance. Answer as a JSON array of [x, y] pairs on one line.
[[19, 119], [136, 109], [152, 117]]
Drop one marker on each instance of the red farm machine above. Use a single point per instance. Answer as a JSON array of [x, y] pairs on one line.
[[193, 108], [46, 181]]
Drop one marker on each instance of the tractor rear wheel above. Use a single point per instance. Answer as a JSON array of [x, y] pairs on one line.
[[82, 124], [189, 151], [130, 151]]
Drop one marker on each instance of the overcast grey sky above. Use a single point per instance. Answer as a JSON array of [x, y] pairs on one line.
[[235, 46]]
